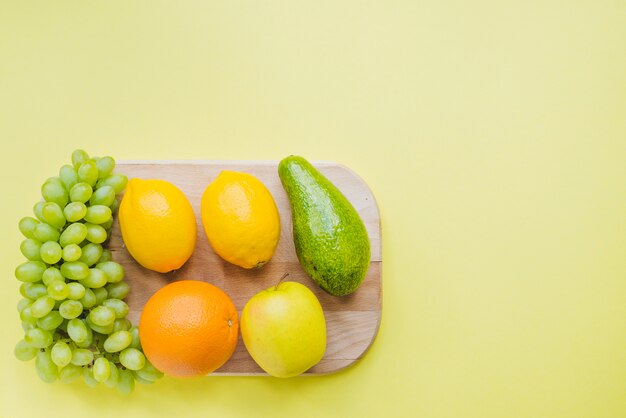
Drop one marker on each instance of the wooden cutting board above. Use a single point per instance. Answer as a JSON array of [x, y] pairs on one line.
[[352, 321]]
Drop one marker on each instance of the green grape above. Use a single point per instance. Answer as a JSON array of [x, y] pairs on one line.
[[91, 253], [117, 341], [119, 307], [101, 294], [113, 270], [102, 316], [106, 256], [88, 173], [126, 382], [53, 191], [57, 303], [33, 290], [73, 234], [26, 286], [81, 357], [75, 211], [44, 232], [88, 342], [30, 249], [79, 156], [75, 270], [50, 322], [101, 369], [77, 330], [98, 214], [70, 309], [121, 324], [88, 377], [58, 290], [136, 342], [149, 372], [68, 176], [23, 304], [52, 274], [104, 195], [26, 316], [149, 368], [96, 233], [114, 375], [54, 180], [81, 192], [63, 325], [118, 290], [76, 291], [27, 325], [115, 205], [104, 330], [61, 354], [51, 252], [116, 180], [70, 373], [89, 300], [141, 380], [107, 225], [42, 306], [96, 278], [46, 369], [24, 351], [37, 210], [52, 214], [132, 359], [105, 166], [38, 337], [27, 226], [72, 252], [54, 254], [30, 271]]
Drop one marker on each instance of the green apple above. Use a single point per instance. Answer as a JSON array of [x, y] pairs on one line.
[[284, 329]]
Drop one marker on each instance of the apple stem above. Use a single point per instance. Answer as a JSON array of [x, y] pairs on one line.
[[280, 281]]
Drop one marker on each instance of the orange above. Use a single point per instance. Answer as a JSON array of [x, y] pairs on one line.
[[189, 328], [240, 219], [158, 224]]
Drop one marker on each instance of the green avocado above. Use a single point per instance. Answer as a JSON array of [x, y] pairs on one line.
[[330, 238]]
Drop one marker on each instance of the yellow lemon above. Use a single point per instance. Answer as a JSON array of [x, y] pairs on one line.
[[240, 219], [158, 224]]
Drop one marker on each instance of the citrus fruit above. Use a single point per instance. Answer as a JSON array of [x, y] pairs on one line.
[[188, 328], [240, 219], [158, 224]]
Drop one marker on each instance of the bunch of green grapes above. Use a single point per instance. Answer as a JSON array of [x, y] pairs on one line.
[[73, 313]]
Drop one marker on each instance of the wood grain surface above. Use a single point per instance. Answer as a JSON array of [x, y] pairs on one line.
[[352, 321]]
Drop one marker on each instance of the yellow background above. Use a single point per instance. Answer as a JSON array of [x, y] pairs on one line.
[[492, 133]]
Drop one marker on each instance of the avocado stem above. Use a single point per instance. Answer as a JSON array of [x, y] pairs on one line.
[[280, 281]]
